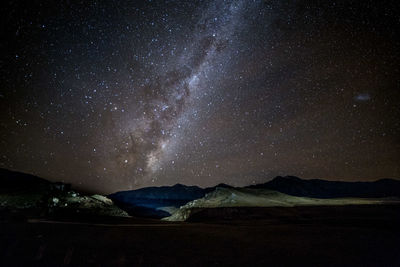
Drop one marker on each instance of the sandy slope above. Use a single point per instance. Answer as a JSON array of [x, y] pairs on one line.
[[246, 197]]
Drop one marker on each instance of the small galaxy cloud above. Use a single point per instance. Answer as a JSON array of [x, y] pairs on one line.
[[362, 97]]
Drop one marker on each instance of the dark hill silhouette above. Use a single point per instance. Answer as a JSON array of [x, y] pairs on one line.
[[318, 188], [11, 181]]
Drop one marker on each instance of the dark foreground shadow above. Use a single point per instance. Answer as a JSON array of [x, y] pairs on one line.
[[302, 236]]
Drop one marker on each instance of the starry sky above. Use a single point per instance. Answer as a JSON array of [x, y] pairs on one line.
[[118, 95]]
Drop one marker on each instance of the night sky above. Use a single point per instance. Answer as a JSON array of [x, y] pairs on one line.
[[117, 95]]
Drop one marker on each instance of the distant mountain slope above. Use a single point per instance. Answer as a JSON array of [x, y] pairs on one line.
[[332, 189], [252, 197], [155, 201]]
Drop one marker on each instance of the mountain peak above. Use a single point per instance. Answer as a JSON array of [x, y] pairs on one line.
[[179, 185], [287, 178]]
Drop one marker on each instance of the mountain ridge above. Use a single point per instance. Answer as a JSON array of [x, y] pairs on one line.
[[320, 188]]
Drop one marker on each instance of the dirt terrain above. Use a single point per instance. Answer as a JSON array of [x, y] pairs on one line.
[[295, 236]]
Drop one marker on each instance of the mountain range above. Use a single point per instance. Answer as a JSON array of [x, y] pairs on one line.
[[19, 190], [163, 201]]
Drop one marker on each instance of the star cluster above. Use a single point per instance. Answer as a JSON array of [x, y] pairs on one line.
[[116, 95]]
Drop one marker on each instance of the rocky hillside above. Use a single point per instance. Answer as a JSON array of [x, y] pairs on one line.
[[34, 196]]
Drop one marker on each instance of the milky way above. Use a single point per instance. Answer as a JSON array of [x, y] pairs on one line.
[[168, 99], [118, 95]]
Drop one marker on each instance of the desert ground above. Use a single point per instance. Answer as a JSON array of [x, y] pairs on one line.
[[367, 235]]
